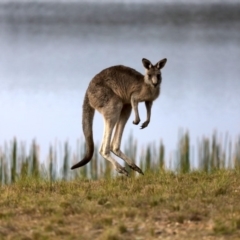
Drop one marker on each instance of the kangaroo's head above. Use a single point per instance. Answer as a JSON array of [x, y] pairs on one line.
[[153, 75]]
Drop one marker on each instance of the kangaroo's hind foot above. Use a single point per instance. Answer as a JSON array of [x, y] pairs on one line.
[[134, 167], [122, 170]]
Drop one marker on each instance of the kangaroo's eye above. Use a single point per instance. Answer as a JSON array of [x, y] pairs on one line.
[[149, 75], [158, 76]]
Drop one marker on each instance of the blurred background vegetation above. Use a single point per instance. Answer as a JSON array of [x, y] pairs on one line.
[[18, 161]]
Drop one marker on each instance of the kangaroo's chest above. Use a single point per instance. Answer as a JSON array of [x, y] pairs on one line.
[[149, 94]]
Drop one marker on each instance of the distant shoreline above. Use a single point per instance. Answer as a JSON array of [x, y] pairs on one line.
[[165, 14], [200, 2]]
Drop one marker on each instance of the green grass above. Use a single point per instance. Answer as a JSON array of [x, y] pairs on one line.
[[195, 205], [44, 199]]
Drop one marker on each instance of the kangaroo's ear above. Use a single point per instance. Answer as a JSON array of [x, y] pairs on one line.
[[146, 63], [161, 63]]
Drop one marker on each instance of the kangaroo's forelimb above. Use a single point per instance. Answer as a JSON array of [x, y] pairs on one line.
[[148, 105], [134, 103]]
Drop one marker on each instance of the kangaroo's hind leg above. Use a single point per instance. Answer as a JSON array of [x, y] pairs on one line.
[[111, 113], [116, 142]]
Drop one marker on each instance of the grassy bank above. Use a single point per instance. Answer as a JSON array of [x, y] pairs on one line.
[[162, 205], [44, 199]]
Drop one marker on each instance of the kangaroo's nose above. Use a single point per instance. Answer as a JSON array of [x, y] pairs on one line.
[[155, 84]]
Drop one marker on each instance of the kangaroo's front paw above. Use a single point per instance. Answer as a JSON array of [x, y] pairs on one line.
[[136, 122], [145, 124]]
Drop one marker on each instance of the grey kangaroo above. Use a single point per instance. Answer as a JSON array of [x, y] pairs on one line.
[[114, 92]]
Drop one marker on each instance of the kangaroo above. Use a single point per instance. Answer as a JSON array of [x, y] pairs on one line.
[[114, 92]]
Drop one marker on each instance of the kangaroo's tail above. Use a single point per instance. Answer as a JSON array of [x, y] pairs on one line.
[[87, 122]]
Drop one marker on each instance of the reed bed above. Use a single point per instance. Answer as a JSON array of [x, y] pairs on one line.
[[209, 155]]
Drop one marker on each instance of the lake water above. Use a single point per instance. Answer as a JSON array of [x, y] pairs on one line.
[[49, 52]]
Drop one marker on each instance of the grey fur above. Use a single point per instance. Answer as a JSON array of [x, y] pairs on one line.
[[114, 92]]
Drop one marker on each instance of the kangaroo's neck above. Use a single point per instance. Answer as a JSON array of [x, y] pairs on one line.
[[148, 93], [153, 91]]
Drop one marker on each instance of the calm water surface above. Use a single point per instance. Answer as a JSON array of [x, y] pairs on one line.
[[50, 52]]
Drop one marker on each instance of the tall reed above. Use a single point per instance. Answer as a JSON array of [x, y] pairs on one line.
[[237, 154], [161, 158], [212, 154], [184, 154]]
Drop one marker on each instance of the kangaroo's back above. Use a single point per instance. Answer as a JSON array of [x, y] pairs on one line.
[[122, 80]]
